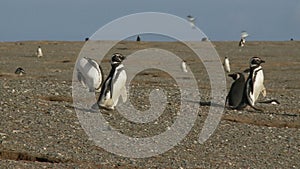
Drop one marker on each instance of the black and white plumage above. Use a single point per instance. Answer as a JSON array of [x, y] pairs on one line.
[[255, 82], [227, 64], [20, 71], [39, 52], [183, 66], [235, 98], [244, 35], [90, 74], [191, 19], [114, 85]]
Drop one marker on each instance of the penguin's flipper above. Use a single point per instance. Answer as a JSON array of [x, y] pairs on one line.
[[124, 94], [264, 91]]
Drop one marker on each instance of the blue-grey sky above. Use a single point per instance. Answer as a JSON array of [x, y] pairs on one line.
[[218, 19]]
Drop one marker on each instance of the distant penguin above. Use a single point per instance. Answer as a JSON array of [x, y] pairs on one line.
[[86, 39], [255, 82], [20, 71], [227, 64], [90, 74], [235, 98], [114, 85], [183, 66], [39, 52], [244, 35], [242, 42], [138, 38]]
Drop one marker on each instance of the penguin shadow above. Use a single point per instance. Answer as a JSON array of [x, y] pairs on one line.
[[205, 103]]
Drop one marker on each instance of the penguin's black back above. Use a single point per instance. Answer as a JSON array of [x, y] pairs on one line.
[[236, 93]]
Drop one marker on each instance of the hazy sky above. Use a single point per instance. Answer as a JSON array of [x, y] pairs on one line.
[[218, 19]]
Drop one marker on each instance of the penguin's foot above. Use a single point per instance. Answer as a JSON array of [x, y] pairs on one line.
[[106, 107], [255, 108]]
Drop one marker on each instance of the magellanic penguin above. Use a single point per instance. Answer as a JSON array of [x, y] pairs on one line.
[[90, 74], [20, 71], [39, 52], [255, 82], [183, 66], [226, 65], [235, 98], [242, 42], [244, 35], [114, 85]]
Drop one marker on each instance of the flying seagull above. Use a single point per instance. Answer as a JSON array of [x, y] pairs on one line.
[[191, 19]]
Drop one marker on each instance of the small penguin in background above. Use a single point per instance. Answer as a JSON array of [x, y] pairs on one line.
[[227, 64], [242, 42], [39, 52], [114, 85], [20, 71], [244, 35], [183, 66], [86, 39], [90, 74], [255, 82], [138, 38], [235, 98], [191, 19]]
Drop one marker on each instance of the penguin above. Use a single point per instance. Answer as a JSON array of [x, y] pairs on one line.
[[20, 71], [244, 35], [114, 85], [138, 38], [242, 42], [39, 52], [90, 74], [255, 82], [183, 66], [235, 98], [226, 64]]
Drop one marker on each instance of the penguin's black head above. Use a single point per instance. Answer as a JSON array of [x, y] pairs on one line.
[[20, 71], [117, 58], [236, 76], [256, 61]]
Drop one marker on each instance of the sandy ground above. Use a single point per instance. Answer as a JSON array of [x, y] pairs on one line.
[[39, 127]]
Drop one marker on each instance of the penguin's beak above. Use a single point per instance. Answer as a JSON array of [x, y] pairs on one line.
[[231, 75], [262, 61]]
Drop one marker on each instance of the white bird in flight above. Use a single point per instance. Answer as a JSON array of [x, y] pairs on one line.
[[191, 19]]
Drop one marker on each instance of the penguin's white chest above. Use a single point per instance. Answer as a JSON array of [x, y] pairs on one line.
[[227, 65], [39, 52], [257, 85], [89, 73], [183, 67]]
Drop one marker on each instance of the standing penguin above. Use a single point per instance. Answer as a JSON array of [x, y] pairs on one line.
[[183, 66], [226, 64], [235, 97], [114, 85], [20, 71], [39, 52], [255, 81], [90, 74], [244, 35]]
